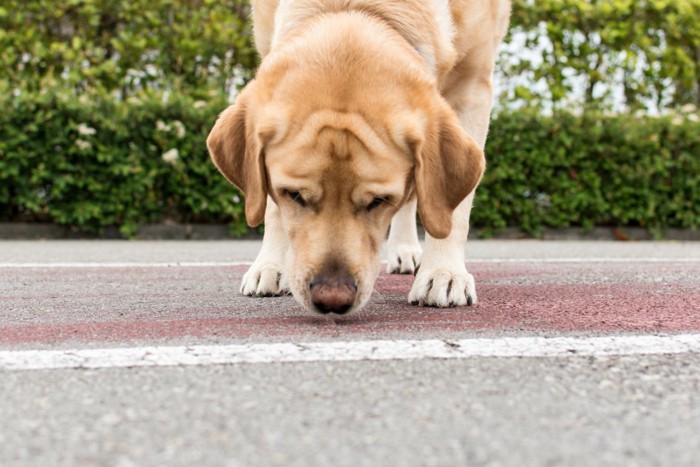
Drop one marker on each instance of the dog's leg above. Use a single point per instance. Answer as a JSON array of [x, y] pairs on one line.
[[404, 250], [443, 280], [266, 276]]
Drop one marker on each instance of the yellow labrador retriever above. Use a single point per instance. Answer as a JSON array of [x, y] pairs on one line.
[[362, 111]]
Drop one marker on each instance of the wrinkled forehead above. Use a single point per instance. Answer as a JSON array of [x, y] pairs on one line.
[[342, 146]]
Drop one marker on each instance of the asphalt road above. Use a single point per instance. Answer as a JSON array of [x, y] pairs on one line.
[[598, 409]]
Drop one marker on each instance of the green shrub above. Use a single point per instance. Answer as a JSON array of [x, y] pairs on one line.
[[71, 68], [97, 95], [125, 46], [579, 51], [591, 170], [92, 162]]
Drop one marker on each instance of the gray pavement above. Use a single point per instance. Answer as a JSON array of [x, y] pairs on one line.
[[641, 410]]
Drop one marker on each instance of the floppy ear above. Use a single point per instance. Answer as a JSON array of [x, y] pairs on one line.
[[449, 166], [236, 150]]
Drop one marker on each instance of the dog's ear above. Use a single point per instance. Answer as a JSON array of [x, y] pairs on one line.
[[449, 166], [236, 148]]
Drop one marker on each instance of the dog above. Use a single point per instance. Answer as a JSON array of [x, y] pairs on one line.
[[361, 113]]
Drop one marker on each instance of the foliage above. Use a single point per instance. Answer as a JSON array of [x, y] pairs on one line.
[[633, 54], [93, 161], [96, 95], [560, 54], [123, 47], [107, 105], [591, 170]]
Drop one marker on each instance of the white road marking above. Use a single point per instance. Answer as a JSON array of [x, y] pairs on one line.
[[210, 264], [515, 347], [134, 265]]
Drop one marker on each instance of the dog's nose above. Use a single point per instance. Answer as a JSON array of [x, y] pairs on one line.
[[333, 294]]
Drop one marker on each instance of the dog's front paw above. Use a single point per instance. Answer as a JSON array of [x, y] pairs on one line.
[[266, 280], [443, 288], [403, 258]]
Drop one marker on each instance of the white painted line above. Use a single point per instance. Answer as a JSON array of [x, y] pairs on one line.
[[134, 265], [587, 260], [516, 347], [107, 265]]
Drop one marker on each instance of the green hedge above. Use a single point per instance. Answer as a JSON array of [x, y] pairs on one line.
[[92, 162], [578, 52], [98, 95], [591, 170], [122, 47]]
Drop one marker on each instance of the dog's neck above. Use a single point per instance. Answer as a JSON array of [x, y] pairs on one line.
[[428, 31]]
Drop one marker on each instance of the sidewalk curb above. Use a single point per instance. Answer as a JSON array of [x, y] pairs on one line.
[[173, 231]]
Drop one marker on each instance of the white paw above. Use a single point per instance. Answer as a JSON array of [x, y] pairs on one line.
[[403, 258], [443, 288], [266, 280]]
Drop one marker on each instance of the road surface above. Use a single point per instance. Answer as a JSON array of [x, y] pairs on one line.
[[143, 353]]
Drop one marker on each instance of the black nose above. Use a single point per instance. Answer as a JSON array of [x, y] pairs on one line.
[[333, 291]]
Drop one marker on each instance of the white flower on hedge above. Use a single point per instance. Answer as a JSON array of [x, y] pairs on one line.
[[161, 126], [677, 120], [171, 156], [151, 70], [694, 118], [199, 104], [83, 145], [86, 130], [179, 128], [689, 108]]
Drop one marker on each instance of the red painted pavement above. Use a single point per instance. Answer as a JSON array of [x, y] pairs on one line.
[[52, 306]]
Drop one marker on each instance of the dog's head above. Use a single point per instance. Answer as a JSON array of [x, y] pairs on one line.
[[340, 141]]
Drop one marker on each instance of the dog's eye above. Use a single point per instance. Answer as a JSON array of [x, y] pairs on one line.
[[296, 197], [376, 202]]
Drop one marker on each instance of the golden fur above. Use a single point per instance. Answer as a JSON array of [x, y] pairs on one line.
[[353, 113]]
